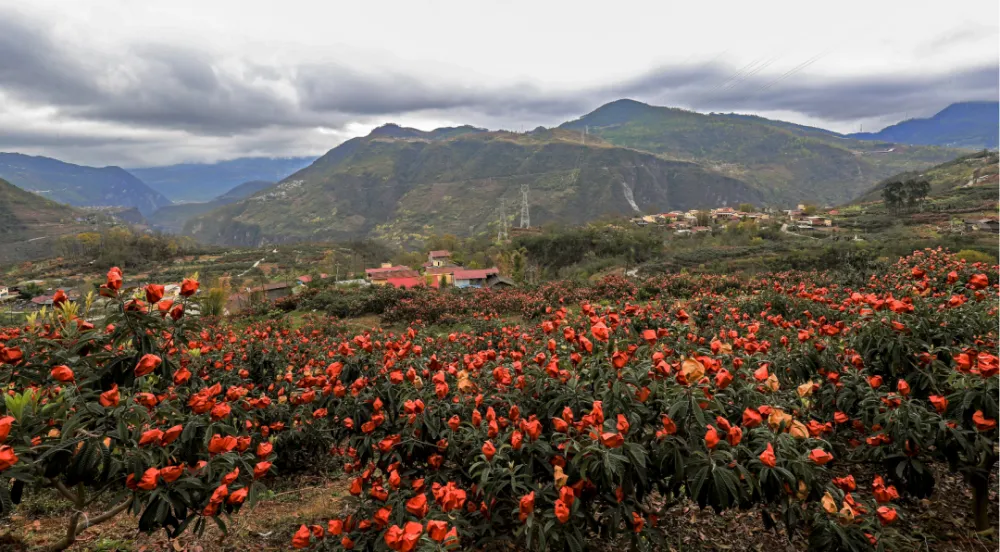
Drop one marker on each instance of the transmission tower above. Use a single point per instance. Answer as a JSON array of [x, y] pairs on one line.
[[502, 233], [525, 215]]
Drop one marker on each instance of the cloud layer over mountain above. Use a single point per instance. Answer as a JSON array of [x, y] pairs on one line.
[[139, 101]]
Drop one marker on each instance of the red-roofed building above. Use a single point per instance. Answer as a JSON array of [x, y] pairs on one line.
[[305, 279], [405, 282], [474, 277], [381, 276]]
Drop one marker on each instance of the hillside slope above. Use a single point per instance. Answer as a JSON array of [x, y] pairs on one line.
[[788, 163], [407, 188], [189, 182], [172, 218], [962, 125], [969, 171], [79, 185], [28, 221]]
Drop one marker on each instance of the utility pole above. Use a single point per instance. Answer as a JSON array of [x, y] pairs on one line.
[[525, 215]]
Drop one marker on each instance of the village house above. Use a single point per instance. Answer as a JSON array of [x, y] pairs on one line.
[[817, 221], [440, 276], [982, 225], [724, 214], [672, 216], [46, 300], [406, 282], [439, 271], [473, 278], [381, 276], [307, 279], [498, 281], [4, 292], [270, 292], [438, 258], [274, 290]]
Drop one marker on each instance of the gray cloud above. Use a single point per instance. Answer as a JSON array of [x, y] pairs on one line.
[[712, 87], [198, 97]]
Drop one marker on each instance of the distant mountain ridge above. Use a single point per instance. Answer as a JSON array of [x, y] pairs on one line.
[[788, 163], [404, 186], [624, 158], [79, 185], [173, 217], [244, 190], [960, 125], [188, 182], [392, 130]]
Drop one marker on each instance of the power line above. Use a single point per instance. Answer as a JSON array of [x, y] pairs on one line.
[[792, 71]]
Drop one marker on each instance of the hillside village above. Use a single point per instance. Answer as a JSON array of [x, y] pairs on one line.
[[696, 221]]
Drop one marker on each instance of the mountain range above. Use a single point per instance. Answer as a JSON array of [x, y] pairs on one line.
[[406, 188], [79, 185], [787, 163], [626, 157], [960, 125], [188, 182], [403, 184]]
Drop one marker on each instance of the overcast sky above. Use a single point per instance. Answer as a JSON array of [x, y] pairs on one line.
[[152, 82]]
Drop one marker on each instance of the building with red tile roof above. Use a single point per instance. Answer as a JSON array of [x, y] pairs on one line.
[[380, 276], [406, 282]]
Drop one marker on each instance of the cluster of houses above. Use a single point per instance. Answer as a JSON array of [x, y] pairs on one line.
[[13, 295], [975, 225], [439, 271], [696, 221], [804, 221]]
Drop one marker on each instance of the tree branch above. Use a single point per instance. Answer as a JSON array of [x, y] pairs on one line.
[[76, 527], [65, 492], [121, 507]]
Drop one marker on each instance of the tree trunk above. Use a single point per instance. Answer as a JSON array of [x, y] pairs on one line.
[[981, 500], [980, 482], [76, 526]]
